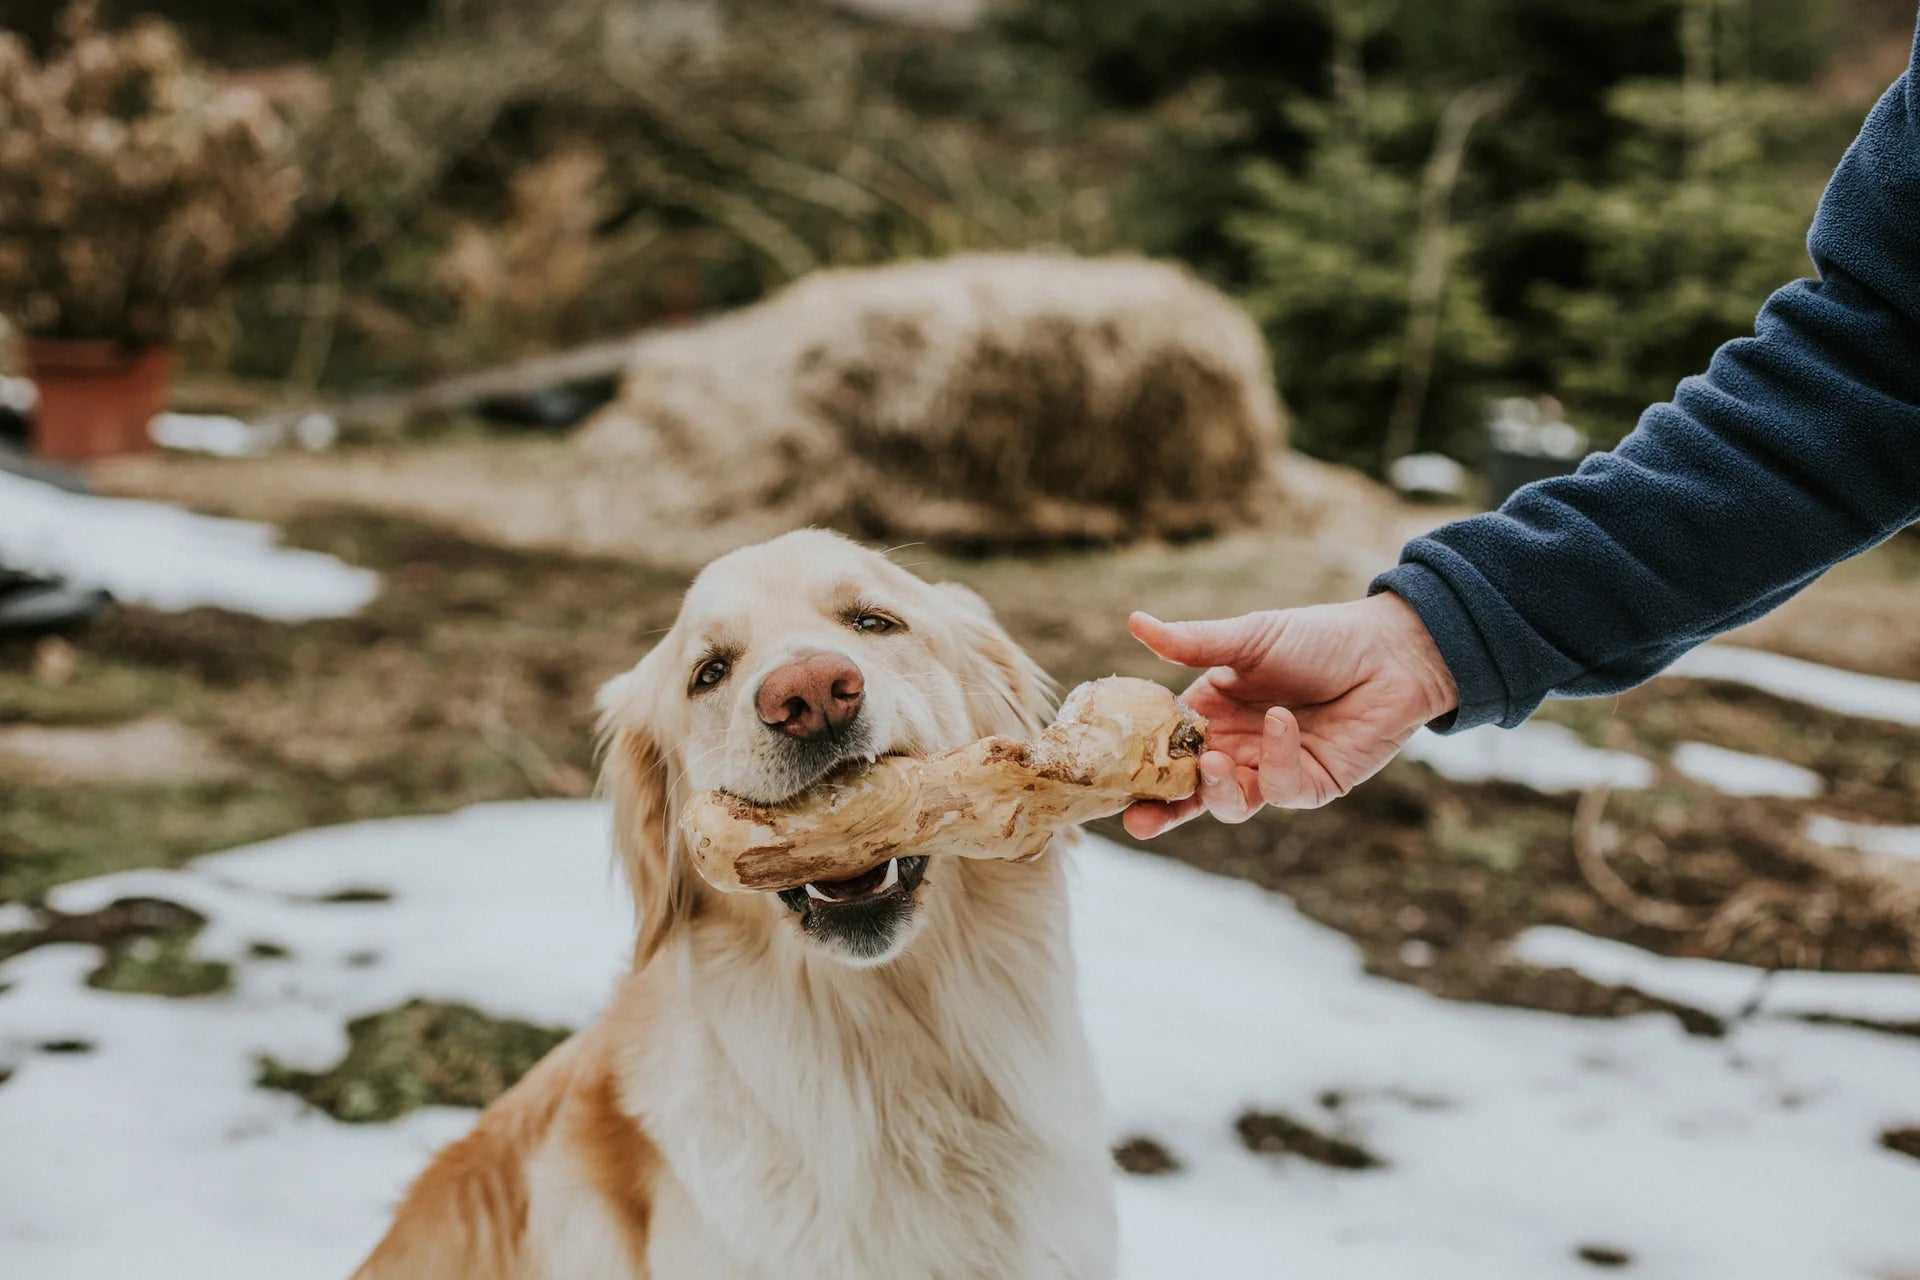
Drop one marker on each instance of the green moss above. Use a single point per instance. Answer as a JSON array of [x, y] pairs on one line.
[[418, 1055], [161, 964], [100, 691], [52, 834]]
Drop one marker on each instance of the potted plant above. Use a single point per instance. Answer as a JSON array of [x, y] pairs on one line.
[[132, 183]]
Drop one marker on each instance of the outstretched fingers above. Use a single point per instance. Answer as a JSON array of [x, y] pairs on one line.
[[1228, 791], [1218, 643], [1145, 819]]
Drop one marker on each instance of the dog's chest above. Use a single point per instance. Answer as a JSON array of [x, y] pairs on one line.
[[965, 1206], [849, 1156]]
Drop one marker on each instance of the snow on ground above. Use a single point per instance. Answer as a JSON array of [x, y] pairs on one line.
[[159, 555], [1847, 692], [1739, 773], [1723, 989], [1552, 758], [1540, 755], [1899, 843], [1511, 1138]]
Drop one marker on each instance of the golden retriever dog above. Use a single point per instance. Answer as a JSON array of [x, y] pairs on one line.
[[884, 1077]]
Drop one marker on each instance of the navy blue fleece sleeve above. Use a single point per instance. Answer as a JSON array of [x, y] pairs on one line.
[[1798, 448]]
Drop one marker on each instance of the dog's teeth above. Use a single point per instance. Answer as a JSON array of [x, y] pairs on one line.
[[893, 875], [816, 895]]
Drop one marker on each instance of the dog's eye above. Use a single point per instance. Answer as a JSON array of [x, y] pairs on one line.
[[709, 673], [876, 624]]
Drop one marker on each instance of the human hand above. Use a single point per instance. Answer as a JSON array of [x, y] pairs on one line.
[[1302, 705]]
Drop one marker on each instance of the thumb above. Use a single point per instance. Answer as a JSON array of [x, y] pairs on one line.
[[1218, 643]]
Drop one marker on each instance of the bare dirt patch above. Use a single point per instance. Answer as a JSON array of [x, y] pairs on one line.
[[146, 947], [1433, 879], [1864, 615], [156, 749], [546, 496]]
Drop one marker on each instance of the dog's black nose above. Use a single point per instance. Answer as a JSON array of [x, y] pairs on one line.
[[813, 696]]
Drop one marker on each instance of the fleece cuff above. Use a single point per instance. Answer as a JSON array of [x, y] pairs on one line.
[[1483, 693]]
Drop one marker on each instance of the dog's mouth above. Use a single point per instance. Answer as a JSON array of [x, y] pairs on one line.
[[892, 880], [797, 768]]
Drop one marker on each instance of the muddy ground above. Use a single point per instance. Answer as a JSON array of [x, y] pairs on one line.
[[471, 679]]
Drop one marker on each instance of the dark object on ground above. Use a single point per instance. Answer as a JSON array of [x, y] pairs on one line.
[[1275, 1134], [67, 1046], [390, 413], [18, 396], [553, 408], [1601, 1255], [1145, 1157], [1904, 1142], [32, 604]]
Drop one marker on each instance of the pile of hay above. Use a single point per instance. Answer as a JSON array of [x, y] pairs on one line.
[[978, 401]]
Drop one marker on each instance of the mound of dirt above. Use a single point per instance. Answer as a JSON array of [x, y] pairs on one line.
[[977, 401]]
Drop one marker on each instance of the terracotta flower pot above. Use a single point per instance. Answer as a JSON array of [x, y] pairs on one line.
[[96, 396]]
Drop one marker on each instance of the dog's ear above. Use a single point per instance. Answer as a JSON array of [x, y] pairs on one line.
[[636, 776], [1007, 691]]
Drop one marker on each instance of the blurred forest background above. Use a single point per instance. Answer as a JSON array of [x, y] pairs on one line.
[[1424, 205]]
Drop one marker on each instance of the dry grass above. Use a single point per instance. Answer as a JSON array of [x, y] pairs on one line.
[[983, 400]]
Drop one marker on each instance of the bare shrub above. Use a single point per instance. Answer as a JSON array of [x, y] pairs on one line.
[[981, 400], [131, 183], [740, 144], [518, 281]]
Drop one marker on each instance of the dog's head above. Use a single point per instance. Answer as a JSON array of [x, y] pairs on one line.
[[790, 659]]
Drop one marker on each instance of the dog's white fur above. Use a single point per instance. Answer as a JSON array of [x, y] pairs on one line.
[[754, 1104]]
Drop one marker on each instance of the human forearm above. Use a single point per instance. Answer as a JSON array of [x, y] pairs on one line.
[[1798, 448]]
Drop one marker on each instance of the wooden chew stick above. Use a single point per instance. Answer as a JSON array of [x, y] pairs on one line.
[[1115, 741]]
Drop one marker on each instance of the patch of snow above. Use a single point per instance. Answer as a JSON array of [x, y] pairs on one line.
[[1900, 843], [1510, 1137], [168, 558], [1846, 692], [1737, 773], [17, 917], [1428, 475], [215, 433], [955, 15], [1538, 754], [1723, 989]]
